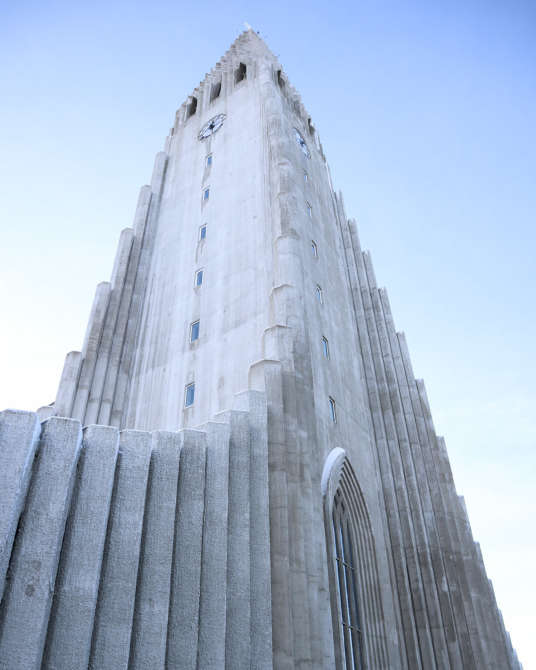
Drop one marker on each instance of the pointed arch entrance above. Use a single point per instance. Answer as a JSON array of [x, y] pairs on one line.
[[356, 608]]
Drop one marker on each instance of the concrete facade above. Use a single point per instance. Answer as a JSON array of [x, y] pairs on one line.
[[212, 547]]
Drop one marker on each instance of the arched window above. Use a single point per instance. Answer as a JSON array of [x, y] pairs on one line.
[[346, 578], [357, 615]]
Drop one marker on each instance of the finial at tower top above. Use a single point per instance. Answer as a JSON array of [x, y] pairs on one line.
[[247, 26]]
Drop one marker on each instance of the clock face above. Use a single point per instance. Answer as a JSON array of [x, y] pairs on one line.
[[211, 126], [301, 142]]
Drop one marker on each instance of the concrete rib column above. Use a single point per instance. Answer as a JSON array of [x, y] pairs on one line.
[[149, 630], [444, 531], [351, 248], [373, 374], [418, 601], [282, 639], [75, 596], [90, 350], [439, 608], [448, 492], [34, 562], [19, 439], [127, 367], [119, 337], [212, 606], [68, 384], [259, 527], [115, 607], [429, 621], [485, 604], [183, 620], [238, 619], [117, 285]]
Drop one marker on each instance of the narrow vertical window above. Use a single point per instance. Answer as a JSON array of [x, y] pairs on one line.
[[240, 73], [333, 410], [325, 347], [305, 176], [209, 160], [345, 572], [309, 210], [215, 91], [189, 395], [206, 194], [194, 331], [192, 107], [203, 231], [199, 277], [314, 248], [319, 295]]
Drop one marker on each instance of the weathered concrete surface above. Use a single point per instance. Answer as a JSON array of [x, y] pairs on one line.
[[20, 430], [182, 647], [77, 584], [115, 608], [34, 563], [149, 634]]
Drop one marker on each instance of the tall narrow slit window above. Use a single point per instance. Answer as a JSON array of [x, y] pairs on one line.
[[240, 73], [192, 107], [215, 91], [203, 232], [325, 347], [314, 248], [198, 278], [194, 331], [333, 410], [309, 210], [208, 161], [206, 194], [189, 395], [319, 294], [347, 585]]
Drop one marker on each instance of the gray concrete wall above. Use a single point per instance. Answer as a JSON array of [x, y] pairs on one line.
[[131, 550], [262, 327]]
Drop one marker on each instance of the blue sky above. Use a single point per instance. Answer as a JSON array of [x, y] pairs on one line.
[[427, 116]]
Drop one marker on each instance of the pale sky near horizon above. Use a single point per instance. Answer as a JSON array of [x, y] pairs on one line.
[[426, 112]]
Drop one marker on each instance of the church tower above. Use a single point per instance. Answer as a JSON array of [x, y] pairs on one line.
[[258, 483]]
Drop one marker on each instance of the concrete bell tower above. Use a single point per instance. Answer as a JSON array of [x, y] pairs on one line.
[[295, 508]]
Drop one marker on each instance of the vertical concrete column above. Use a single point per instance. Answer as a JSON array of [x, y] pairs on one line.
[[183, 621], [259, 523], [282, 639], [446, 540], [149, 632], [90, 350], [212, 607], [77, 584], [432, 619], [485, 608], [68, 383], [118, 343], [407, 537], [117, 285], [127, 368], [352, 249], [439, 607], [238, 620], [374, 379], [448, 493], [115, 607], [34, 562], [19, 437]]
